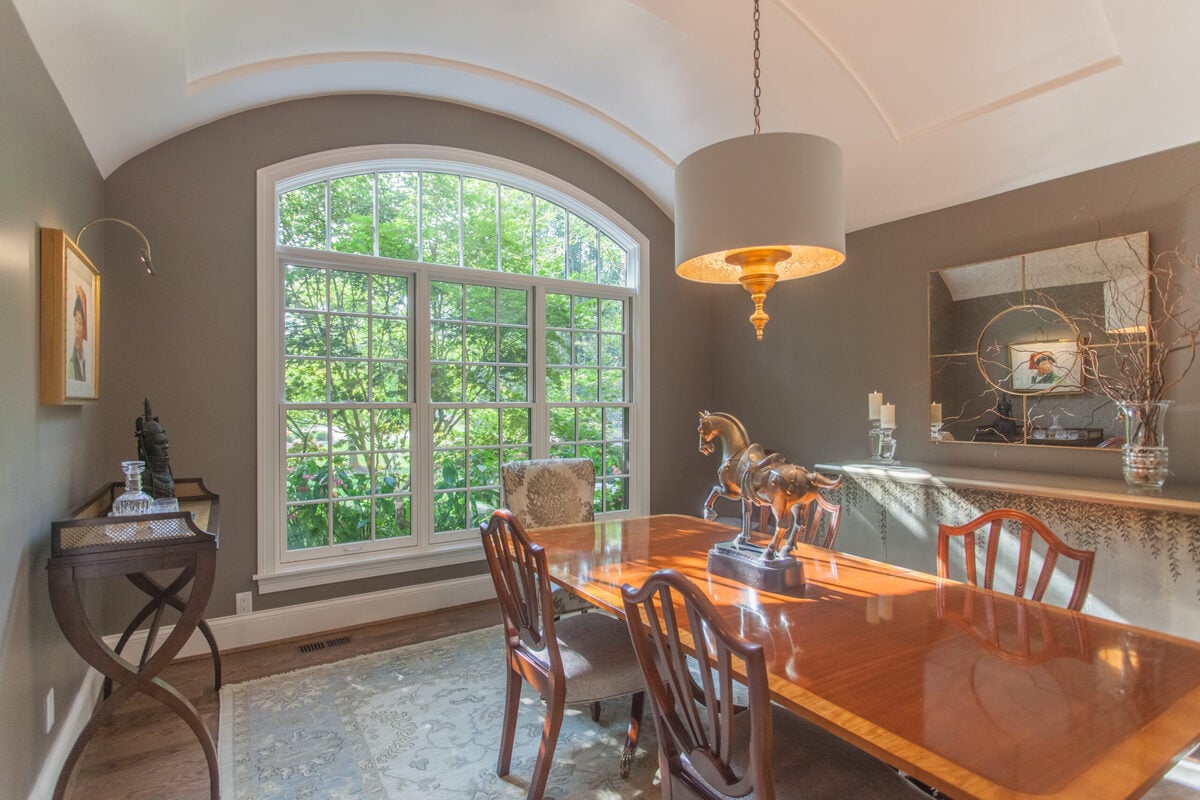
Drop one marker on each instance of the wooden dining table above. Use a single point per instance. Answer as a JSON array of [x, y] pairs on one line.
[[977, 693]]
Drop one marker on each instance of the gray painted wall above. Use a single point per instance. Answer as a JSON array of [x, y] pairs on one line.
[[50, 456], [186, 338], [837, 336]]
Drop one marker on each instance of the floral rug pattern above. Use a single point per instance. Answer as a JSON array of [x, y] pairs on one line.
[[421, 721]]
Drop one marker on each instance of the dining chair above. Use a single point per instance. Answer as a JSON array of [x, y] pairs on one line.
[[581, 659], [551, 491], [712, 747], [819, 522], [995, 522]]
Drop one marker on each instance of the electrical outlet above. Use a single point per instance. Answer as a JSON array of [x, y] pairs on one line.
[[242, 603], [50, 710]]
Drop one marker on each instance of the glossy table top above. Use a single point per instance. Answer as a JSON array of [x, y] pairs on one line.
[[977, 693]]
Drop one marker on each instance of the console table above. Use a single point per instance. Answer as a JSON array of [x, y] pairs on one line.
[[1148, 544], [91, 545]]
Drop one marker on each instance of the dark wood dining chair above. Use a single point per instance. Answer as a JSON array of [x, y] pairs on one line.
[[580, 659], [995, 522], [709, 746], [551, 491], [819, 522]]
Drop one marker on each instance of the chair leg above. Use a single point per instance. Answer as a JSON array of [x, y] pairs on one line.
[[512, 699], [631, 739], [595, 711], [541, 768]]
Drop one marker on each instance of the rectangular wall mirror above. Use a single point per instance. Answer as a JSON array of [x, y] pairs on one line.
[[1004, 359]]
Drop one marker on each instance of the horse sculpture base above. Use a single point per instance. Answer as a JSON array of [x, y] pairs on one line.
[[745, 563]]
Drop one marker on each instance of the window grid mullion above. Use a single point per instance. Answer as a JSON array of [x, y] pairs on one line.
[[420, 216], [375, 213], [421, 456], [539, 433], [419, 340], [499, 235], [328, 215]]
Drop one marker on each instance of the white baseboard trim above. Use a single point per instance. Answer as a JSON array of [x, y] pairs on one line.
[[72, 725], [261, 627], [303, 619]]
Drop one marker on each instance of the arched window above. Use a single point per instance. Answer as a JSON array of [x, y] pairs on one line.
[[426, 315]]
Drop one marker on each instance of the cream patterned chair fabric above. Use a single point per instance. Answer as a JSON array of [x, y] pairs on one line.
[[551, 491]]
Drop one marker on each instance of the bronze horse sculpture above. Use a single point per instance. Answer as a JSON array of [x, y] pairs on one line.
[[748, 473]]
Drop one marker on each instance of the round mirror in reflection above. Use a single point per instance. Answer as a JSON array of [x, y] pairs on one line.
[[1030, 350]]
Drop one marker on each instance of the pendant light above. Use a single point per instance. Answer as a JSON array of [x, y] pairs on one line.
[[759, 209]]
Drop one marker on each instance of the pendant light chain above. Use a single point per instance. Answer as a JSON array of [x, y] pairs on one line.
[[757, 70]]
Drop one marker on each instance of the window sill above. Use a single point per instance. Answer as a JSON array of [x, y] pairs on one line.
[[300, 576]]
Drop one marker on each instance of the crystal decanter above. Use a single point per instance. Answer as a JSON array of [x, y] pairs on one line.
[[134, 500]]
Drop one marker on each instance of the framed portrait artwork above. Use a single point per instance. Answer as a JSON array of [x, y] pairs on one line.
[[70, 322], [1046, 367]]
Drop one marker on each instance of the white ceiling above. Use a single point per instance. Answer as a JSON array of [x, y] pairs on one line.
[[934, 102]]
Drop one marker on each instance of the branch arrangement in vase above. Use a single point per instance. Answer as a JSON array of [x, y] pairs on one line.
[[1154, 329]]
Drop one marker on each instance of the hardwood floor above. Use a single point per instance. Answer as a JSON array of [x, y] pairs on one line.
[[147, 753]]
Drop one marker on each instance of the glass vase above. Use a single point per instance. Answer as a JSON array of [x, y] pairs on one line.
[[134, 500], [1145, 450]]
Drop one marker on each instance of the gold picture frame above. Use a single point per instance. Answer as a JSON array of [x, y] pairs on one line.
[[1046, 367], [70, 322]]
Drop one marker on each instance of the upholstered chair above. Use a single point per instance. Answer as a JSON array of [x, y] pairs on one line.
[[547, 492]]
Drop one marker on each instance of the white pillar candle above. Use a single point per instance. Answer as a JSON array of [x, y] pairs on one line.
[[887, 415], [874, 401], [935, 413]]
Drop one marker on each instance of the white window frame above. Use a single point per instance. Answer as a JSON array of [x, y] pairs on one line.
[[275, 571]]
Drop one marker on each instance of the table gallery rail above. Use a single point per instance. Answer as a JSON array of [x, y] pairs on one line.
[[977, 693]]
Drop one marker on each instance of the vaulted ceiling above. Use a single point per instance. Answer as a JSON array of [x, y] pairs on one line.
[[934, 102]]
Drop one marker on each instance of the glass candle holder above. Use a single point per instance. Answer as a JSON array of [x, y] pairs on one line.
[[887, 447], [874, 439]]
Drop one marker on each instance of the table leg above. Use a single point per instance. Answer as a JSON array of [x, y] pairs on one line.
[[68, 604], [157, 594], [170, 595]]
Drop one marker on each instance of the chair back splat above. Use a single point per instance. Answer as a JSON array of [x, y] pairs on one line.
[[994, 521], [711, 748], [519, 574], [819, 522], [695, 719]]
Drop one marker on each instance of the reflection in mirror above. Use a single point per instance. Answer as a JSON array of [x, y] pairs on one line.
[[1005, 363], [1030, 349]]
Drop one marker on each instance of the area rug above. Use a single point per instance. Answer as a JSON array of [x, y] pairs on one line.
[[416, 723]]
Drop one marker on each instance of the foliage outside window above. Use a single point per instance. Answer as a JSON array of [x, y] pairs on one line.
[[438, 218], [373, 349]]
